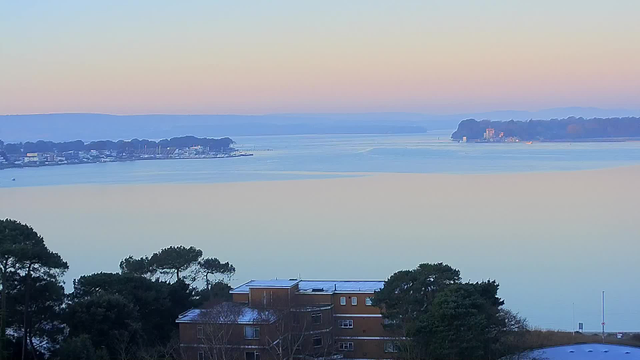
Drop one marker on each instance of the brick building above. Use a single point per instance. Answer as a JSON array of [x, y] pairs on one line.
[[283, 319]]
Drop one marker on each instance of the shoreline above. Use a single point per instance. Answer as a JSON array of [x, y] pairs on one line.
[[22, 166], [586, 141]]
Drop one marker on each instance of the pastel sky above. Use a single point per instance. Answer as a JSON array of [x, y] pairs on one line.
[[255, 57]]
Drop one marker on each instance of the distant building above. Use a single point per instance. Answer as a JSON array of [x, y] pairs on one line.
[[71, 155], [303, 319], [34, 157], [489, 134]]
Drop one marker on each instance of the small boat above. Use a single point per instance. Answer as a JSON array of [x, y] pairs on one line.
[[13, 179], [529, 142]]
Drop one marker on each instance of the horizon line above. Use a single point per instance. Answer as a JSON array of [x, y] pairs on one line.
[[331, 113]]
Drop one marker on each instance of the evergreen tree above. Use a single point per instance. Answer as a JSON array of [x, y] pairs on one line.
[[442, 318], [175, 260], [29, 268]]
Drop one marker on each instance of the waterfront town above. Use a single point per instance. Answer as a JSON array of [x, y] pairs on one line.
[[51, 154], [490, 136]]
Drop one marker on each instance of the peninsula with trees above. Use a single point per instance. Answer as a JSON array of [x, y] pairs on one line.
[[568, 129], [48, 153]]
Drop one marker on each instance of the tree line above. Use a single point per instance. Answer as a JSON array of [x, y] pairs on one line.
[[123, 146], [555, 129], [126, 315]]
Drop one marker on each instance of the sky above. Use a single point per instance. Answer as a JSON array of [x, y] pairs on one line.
[[291, 56]]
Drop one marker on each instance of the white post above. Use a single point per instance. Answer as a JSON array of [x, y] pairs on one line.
[[603, 316], [573, 319]]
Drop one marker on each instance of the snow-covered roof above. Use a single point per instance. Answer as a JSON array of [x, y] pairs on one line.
[[228, 313], [314, 286], [588, 351], [267, 284], [339, 286]]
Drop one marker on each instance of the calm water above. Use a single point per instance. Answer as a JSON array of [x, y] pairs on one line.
[[303, 157], [553, 239]]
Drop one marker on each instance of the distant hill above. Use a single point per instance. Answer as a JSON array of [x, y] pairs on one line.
[[571, 128], [67, 127]]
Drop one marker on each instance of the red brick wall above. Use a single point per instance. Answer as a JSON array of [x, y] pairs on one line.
[[360, 308]]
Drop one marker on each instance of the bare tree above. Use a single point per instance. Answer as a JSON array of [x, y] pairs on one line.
[[402, 346], [122, 344], [291, 334], [286, 331], [170, 350], [219, 323], [328, 349], [149, 353]]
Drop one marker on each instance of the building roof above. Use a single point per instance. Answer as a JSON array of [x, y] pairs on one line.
[[267, 284], [227, 313], [588, 351], [340, 286], [314, 286]]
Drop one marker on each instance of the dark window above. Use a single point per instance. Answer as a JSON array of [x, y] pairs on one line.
[[200, 332], [251, 355], [251, 332], [345, 346], [316, 318], [368, 301], [201, 355], [346, 324], [391, 347], [390, 322], [317, 341]]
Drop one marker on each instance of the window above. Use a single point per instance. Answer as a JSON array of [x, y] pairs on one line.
[[368, 301], [317, 341], [346, 324], [354, 300], [251, 332], [343, 300], [316, 318], [345, 346], [252, 355], [201, 355], [390, 347], [200, 332], [390, 321]]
